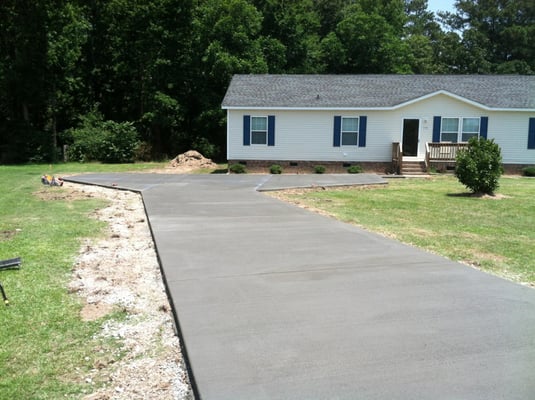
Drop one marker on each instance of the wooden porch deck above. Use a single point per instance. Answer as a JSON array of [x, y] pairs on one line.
[[434, 153]]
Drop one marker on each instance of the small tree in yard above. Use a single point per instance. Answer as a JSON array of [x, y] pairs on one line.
[[479, 165]]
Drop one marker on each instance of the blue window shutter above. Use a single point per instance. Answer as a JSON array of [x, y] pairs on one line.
[[246, 130], [531, 134], [484, 127], [437, 121], [271, 130], [337, 131], [362, 131]]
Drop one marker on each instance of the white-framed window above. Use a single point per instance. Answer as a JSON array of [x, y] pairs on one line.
[[259, 130], [470, 129], [459, 129], [450, 130], [350, 131]]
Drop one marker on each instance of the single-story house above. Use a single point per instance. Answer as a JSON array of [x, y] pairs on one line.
[[381, 122]]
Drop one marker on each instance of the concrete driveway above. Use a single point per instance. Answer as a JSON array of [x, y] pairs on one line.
[[274, 302]]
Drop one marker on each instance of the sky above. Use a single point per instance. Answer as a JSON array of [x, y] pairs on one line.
[[440, 5]]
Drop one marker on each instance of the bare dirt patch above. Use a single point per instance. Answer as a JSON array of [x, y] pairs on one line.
[[63, 193], [120, 272], [92, 312], [6, 235], [496, 196]]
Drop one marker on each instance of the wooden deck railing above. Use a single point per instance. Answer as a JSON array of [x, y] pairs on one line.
[[397, 157], [446, 152], [434, 152]]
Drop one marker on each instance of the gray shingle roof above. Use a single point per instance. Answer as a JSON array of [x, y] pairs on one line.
[[376, 91]]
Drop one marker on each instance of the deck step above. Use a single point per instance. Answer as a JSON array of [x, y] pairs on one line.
[[413, 168]]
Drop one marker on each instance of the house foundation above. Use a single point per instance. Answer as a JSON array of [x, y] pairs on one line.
[[308, 167]]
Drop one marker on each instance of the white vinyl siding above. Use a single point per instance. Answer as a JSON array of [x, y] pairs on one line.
[[308, 135], [510, 132]]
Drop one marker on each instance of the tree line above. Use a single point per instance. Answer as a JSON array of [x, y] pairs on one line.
[[155, 71]]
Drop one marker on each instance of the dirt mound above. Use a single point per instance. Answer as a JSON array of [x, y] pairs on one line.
[[191, 160]]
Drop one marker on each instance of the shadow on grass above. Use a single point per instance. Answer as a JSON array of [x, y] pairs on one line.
[[463, 194], [495, 196]]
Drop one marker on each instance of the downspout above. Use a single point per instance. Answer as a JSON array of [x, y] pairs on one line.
[[228, 131]]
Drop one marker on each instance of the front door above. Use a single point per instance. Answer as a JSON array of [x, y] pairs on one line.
[[411, 127]]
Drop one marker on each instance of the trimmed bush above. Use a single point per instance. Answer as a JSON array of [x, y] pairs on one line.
[[479, 166], [237, 169], [528, 171], [319, 169], [275, 169], [354, 169]]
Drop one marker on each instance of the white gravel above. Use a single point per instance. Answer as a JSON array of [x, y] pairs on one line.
[[120, 271]]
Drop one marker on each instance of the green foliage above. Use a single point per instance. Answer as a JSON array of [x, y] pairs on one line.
[[368, 38], [496, 36], [319, 169], [143, 152], [237, 169], [28, 145], [229, 39], [295, 27], [354, 169], [528, 171], [479, 166], [205, 147], [433, 170], [85, 141], [120, 142], [275, 169], [105, 141]]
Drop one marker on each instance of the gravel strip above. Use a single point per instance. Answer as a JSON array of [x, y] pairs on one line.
[[120, 272]]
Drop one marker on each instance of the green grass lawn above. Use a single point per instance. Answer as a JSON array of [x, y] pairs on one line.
[[45, 347], [496, 235]]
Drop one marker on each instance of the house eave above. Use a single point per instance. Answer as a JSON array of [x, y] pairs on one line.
[[462, 99]]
